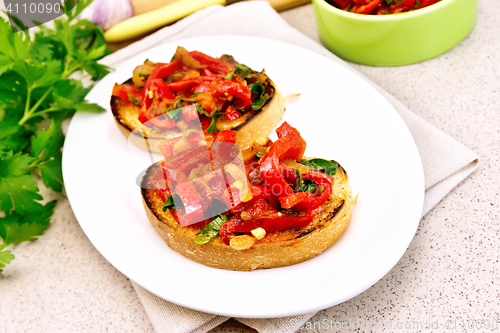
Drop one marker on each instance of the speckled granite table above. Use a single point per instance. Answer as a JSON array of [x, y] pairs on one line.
[[450, 271]]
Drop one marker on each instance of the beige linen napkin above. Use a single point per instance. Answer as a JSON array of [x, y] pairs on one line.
[[446, 162]]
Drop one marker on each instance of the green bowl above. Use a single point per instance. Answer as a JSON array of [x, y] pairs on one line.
[[397, 39]]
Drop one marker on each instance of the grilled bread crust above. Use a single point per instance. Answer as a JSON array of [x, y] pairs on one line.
[[257, 124], [276, 249]]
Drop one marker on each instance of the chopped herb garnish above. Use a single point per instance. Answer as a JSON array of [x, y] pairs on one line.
[[211, 230], [388, 1], [229, 75], [328, 167], [258, 89], [173, 114], [304, 186], [171, 77], [243, 71], [417, 3], [212, 127], [201, 110], [170, 204], [133, 100]]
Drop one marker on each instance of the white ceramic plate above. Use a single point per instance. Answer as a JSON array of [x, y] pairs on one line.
[[339, 115]]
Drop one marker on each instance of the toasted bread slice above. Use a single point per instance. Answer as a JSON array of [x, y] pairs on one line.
[[253, 124], [276, 249]]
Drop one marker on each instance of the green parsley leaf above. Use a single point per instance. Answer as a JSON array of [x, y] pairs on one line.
[[328, 167], [46, 149], [38, 74], [15, 228], [17, 187], [34, 86], [12, 136], [211, 230], [5, 258], [388, 1], [417, 3]]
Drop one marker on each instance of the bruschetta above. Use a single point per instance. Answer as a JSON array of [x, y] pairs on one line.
[[214, 93], [273, 207]]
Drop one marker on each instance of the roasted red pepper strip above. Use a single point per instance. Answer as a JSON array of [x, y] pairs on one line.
[[426, 3], [223, 149], [290, 145], [159, 90], [188, 160], [259, 193], [269, 220], [232, 113], [214, 65], [193, 207], [206, 72], [175, 175], [322, 179], [125, 91], [368, 8], [263, 192], [163, 71], [187, 84], [159, 184]]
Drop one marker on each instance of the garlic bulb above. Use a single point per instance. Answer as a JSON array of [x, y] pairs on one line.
[[107, 13]]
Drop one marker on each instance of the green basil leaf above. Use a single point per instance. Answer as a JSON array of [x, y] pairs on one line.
[[328, 167], [211, 230]]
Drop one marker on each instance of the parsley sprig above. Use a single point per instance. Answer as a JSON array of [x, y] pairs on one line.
[[36, 94]]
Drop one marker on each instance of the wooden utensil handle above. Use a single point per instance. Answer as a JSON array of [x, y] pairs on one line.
[[143, 6], [280, 5]]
